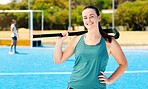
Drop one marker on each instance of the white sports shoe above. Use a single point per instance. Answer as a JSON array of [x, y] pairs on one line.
[[11, 53]]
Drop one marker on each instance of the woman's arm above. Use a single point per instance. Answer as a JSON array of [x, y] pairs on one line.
[[118, 54], [62, 55]]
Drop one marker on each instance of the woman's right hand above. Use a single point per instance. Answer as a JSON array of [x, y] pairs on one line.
[[65, 35]]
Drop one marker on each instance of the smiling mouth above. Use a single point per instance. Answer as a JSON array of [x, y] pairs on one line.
[[90, 23]]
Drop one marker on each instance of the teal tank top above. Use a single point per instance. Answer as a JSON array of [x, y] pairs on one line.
[[90, 60]]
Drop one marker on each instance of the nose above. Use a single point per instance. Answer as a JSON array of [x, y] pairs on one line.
[[88, 19]]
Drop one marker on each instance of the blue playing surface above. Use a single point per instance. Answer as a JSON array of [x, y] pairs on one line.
[[40, 60]]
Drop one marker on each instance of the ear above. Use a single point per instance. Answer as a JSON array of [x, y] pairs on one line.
[[99, 18]]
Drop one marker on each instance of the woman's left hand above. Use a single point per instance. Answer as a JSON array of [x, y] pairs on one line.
[[103, 78]]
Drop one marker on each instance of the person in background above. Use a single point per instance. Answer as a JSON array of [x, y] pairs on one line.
[[14, 33], [92, 51]]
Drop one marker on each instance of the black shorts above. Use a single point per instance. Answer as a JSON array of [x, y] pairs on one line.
[[14, 38]]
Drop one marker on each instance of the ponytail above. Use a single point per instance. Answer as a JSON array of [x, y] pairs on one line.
[[104, 34]]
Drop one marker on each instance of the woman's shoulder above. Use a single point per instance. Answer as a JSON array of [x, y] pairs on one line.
[[113, 41], [12, 25], [75, 40], [112, 44]]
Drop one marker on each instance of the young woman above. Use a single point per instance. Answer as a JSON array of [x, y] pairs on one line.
[[14, 33], [92, 52]]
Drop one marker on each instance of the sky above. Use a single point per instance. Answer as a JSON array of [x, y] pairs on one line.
[[5, 1]]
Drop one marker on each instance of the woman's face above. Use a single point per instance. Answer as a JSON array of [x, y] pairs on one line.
[[90, 18]]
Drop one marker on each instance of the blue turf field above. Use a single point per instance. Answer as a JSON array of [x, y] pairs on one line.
[[34, 69]]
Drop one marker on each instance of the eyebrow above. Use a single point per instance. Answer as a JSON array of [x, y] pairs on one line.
[[90, 15]]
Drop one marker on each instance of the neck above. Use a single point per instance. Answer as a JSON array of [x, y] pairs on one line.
[[93, 34]]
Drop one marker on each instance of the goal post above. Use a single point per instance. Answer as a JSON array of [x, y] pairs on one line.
[[31, 20]]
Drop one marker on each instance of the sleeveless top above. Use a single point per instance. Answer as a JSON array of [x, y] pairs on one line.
[[90, 60], [15, 30]]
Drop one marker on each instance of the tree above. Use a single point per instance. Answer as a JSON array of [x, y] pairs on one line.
[[13, 5], [77, 16], [5, 18], [61, 19], [22, 6], [141, 14], [106, 20], [133, 15]]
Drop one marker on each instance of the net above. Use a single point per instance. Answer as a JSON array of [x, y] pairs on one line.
[[25, 35]]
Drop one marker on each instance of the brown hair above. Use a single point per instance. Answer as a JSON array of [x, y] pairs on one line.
[[13, 20], [103, 33]]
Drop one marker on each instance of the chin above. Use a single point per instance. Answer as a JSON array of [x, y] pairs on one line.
[[89, 27]]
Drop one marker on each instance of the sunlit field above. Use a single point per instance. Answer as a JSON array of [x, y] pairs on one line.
[[127, 38]]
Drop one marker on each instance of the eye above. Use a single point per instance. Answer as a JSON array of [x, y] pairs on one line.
[[85, 17], [91, 16]]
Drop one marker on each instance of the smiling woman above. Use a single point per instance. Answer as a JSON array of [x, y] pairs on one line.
[[92, 51]]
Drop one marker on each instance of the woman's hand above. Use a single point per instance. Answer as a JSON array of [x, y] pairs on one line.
[[65, 35], [103, 78]]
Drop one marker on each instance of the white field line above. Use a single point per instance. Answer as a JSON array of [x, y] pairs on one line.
[[6, 38], [26, 47], [49, 73], [135, 50]]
